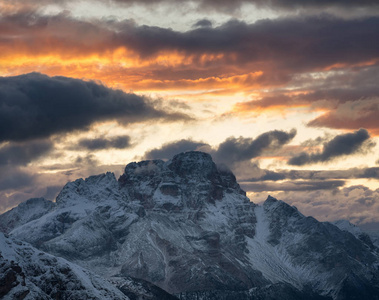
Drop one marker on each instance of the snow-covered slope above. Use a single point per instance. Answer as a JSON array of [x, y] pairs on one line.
[[186, 226], [27, 211], [27, 273]]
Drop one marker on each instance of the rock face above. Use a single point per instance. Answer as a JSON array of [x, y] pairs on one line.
[[186, 226]]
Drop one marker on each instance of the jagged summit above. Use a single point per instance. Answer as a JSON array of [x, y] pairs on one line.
[[188, 179], [191, 164]]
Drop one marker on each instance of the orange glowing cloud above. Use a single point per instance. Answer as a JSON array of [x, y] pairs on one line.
[[251, 60], [122, 68]]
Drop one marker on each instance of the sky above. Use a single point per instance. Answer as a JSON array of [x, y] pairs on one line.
[[283, 92]]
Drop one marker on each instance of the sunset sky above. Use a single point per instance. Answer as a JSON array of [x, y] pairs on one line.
[[284, 92]]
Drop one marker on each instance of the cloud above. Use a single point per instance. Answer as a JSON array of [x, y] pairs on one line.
[[17, 177], [289, 44], [340, 145], [37, 106], [23, 153], [234, 150], [16, 185], [231, 58], [118, 142], [228, 6], [292, 185], [291, 41], [348, 98], [260, 175], [230, 152], [13, 178], [87, 160], [18, 180], [351, 115], [354, 84], [284, 4]]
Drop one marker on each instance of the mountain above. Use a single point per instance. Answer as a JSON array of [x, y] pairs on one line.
[[186, 226], [27, 273]]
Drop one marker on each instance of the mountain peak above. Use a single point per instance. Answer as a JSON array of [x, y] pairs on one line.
[[271, 199], [188, 179], [193, 163]]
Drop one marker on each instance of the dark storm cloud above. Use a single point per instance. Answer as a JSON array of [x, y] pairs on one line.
[[340, 145], [168, 150], [118, 142], [297, 43], [23, 153], [232, 150], [35, 106], [292, 185], [240, 149]]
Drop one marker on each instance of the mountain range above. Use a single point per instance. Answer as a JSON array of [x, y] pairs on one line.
[[178, 229]]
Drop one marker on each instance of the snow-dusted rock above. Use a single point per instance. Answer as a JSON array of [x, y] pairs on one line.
[[27, 273], [27, 211]]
